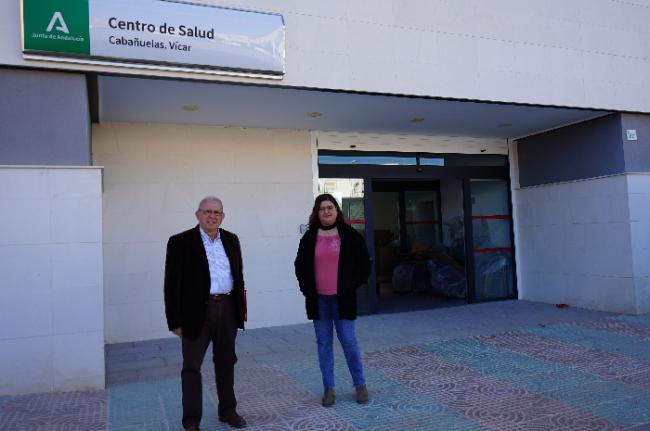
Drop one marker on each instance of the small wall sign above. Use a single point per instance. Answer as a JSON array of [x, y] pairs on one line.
[[631, 134]]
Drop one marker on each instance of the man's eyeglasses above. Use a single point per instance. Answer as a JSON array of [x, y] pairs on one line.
[[212, 212]]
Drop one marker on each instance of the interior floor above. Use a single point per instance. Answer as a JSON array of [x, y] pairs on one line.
[[414, 302]]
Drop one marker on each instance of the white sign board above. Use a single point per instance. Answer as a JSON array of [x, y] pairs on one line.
[[165, 33]]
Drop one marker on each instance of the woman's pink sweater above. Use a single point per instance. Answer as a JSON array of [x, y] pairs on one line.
[[326, 263]]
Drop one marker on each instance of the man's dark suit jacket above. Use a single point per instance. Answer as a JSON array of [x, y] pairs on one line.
[[187, 280]]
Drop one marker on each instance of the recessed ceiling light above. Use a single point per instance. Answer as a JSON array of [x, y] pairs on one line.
[[505, 125], [314, 114], [191, 108], [417, 119]]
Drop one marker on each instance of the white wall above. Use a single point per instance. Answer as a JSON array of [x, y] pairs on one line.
[[154, 177], [582, 53], [639, 201], [51, 294], [574, 243]]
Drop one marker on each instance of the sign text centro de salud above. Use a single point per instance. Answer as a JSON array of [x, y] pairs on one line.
[[160, 32]]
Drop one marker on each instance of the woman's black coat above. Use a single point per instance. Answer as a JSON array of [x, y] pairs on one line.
[[354, 268]]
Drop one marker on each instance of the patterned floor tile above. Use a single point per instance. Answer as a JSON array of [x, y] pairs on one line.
[[591, 338], [518, 413], [427, 422], [594, 361], [317, 422], [279, 396], [640, 379], [569, 423], [491, 402], [587, 375], [391, 405], [154, 405], [69, 411], [618, 326], [504, 365], [642, 319], [557, 381]]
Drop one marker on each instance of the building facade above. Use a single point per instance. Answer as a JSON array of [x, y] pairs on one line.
[[486, 150]]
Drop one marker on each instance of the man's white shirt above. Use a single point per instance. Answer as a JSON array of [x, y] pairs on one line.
[[220, 273]]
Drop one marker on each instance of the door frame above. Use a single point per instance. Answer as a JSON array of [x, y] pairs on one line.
[[412, 175], [401, 187]]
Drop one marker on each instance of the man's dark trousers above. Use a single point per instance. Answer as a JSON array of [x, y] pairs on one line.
[[220, 328]]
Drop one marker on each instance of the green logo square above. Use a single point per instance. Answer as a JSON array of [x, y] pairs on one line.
[[56, 26]]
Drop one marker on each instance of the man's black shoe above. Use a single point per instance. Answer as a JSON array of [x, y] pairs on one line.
[[233, 419]]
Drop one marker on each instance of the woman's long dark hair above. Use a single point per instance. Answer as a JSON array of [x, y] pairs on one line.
[[314, 221]]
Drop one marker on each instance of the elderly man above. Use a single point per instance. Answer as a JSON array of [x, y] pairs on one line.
[[205, 302]]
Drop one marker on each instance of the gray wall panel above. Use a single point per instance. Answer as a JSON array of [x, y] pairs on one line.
[[637, 153], [585, 150], [44, 118]]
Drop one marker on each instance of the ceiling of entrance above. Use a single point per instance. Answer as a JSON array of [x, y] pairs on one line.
[[186, 102]]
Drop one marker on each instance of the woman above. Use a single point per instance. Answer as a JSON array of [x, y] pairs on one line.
[[332, 262]]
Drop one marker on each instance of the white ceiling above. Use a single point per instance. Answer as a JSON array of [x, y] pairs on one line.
[[161, 101]]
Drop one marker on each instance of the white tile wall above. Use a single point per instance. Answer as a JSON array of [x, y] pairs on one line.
[[641, 248], [76, 264], [112, 322], [583, 53], [15, 212], [157, 308], [642, 285], [52, 287], [79, 315], [154, 177], [536, 56], [74, 219], [26, 312], [15, 274], [78, 361], [26, 365], [639, 207], [18, 183], [586, 243], [275, 308]]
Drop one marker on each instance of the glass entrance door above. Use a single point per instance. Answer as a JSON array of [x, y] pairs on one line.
[[406, 233], [418, 244], [492, 252], [438, 226]]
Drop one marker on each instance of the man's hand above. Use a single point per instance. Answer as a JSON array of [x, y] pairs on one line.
[[178, 332]]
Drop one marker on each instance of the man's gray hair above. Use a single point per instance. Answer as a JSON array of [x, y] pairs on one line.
[[210, 199]]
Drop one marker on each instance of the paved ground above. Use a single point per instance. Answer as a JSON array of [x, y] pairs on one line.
[[511, 365]]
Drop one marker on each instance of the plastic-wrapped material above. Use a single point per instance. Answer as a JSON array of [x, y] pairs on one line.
[[411, 277], [446, 279], [494, 275], [403, 278], [421, 282], [455, 228]]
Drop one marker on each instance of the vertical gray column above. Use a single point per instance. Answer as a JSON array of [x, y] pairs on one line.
[[44, 118], [637, 151]]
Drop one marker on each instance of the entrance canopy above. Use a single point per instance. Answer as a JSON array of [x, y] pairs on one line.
[[126, 99]]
